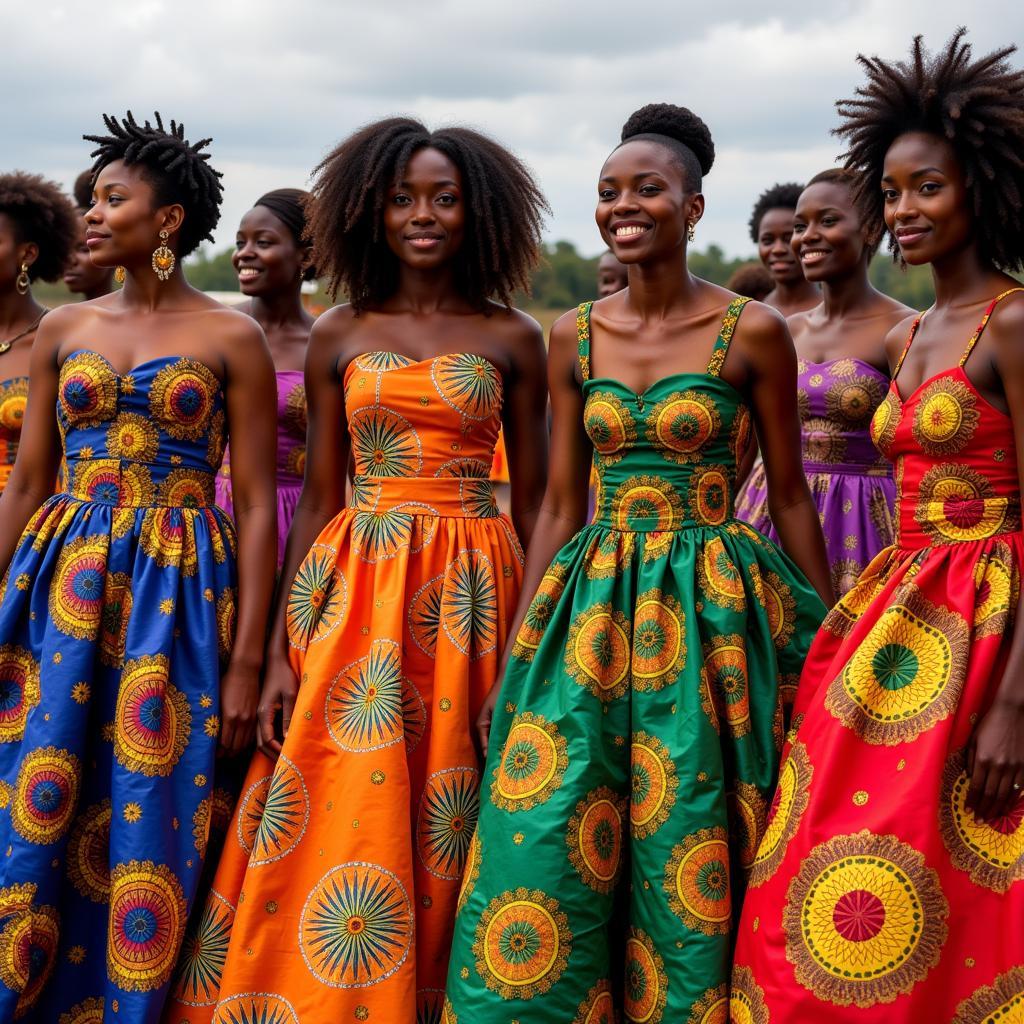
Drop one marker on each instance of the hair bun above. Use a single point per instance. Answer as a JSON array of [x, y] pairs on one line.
[[677, 123]]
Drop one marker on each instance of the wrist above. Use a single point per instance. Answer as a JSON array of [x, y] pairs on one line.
[[245, 663]]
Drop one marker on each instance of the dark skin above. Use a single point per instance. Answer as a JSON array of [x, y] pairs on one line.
[[270, 264], [792, 292], [82, 276], [611, 275], [17, 311], [853, 318], [427, 316], [664, 323], [929, 210], [145, 320]]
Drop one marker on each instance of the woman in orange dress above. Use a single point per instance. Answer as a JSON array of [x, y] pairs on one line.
[[335, 895]]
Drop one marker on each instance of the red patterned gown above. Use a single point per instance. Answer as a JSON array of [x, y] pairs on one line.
[[876, 895]]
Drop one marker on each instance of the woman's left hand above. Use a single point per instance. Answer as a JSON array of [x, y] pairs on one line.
[[239, 695], [995, 762]]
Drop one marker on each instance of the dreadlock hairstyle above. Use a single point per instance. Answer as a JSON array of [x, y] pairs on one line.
[[849, 180], [40, 213], [177, 169], [504, 212], [976, 105], [778, 197]]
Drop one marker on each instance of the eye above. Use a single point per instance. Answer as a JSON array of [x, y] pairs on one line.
[[890, 195], [447, 199], [829, 221], [400, 199], [649, 190], [605, 194], [799, 229], [930, 187]]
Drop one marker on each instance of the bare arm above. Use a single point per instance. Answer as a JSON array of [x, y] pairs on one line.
[[564, 508], [323, 495], [252, 428], [771, 383], [35, 469], [525, 428], [995, 753]]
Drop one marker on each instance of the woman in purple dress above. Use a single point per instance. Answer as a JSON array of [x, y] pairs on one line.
[[272, 259], [843, 376]]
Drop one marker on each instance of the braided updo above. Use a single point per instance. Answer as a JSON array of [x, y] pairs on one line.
[[681, 131], [177, 169]]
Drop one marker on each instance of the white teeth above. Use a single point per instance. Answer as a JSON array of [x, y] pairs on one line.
[[248, 272], [627, 230]]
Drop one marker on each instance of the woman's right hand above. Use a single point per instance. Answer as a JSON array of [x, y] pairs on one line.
[[280, 689], [483, 720]]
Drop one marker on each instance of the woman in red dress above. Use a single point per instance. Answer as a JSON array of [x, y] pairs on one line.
[[889, 885]]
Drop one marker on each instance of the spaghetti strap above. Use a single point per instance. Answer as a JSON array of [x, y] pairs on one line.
[[984, 321], [583, 338], [906, 348], [725, 333]]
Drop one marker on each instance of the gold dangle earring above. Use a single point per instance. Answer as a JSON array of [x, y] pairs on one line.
[[691, 231], [119, 274], [22, 281], [163, 258]]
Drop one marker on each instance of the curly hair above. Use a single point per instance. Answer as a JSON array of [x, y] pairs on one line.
[[178, 170], [504, 212], [975, 105], [752, 280], [681, 130], [41, 213], [779, 197], [82, 190]]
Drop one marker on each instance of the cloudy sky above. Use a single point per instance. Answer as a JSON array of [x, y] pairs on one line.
[[276, 84]]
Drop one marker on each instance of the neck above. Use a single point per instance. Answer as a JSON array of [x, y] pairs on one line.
[[793, 292], [17, 311], [426, 291], [145, 292], [963, 277], [659, 286], [104, 288], [279, 309], [846, 295]]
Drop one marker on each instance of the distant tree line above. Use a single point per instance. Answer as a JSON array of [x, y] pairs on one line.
[[566, 278]]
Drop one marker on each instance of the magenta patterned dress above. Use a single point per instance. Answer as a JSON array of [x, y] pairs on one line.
[[850, 481], [291, 455]]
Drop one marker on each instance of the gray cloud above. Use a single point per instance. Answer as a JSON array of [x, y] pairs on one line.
[[277, 84]]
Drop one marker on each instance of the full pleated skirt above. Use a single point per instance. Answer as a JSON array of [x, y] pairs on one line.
[[876, 895], [114, 625], [630, 766], [335, 896]]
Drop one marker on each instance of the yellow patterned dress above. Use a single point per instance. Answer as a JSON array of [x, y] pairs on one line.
[[13, 398], [638, 732], [877, 897]]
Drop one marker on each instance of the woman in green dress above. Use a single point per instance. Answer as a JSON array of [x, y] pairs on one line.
[[635, 740]]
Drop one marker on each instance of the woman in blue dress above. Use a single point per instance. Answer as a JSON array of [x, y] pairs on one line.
[[132, 616]]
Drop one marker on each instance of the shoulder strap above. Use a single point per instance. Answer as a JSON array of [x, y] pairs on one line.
[[583, 338], [984, 320], [725, 333], [906, 348]]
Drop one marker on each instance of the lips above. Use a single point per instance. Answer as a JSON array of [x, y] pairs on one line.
[[248, 273], [907, 236], [424, 240], [629, 230], [813, 255], [94, 238]]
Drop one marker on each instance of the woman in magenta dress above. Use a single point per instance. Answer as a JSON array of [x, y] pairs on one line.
[[843, 377], [889, 886], [272, 259]]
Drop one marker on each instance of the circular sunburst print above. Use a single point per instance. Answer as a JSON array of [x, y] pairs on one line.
[[532, 764], [447, 820]]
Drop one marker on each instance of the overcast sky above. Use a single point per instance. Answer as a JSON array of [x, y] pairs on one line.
[[276, 83]]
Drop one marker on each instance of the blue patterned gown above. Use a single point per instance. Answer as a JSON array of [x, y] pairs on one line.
[[116, 617]]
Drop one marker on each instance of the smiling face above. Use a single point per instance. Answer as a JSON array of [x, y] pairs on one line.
[[425, 216], [644, 202], [123, 223], [828, 239], [267, 258], [774, 245], [926, 204], [82, 276]]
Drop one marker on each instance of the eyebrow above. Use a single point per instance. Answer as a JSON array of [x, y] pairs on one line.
[[919, 174], [637, 176], [447, 183], [113, 184]]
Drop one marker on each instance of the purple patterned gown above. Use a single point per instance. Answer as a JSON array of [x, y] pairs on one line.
[[291, 455], [851, 483]]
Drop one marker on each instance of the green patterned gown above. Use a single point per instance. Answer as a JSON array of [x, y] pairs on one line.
[[637, 737]]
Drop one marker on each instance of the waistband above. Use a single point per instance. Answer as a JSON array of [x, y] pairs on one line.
[[122, 483], [953, 521], [882, 470], [453, 497]]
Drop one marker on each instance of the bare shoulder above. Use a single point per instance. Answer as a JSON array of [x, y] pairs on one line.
[[334, 325], [1006, 327], [895, 312], [513, 324], [234, 328], [761, 325], [564, 333], [896, 339]]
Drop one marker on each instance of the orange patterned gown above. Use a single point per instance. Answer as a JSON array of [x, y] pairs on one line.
[[876, 896], [13, 398], [335, 896]]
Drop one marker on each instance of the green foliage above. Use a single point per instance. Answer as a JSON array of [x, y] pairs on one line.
[[211, 272], [910, 285]]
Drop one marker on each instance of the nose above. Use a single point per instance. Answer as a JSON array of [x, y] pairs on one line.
[[423, 212], [244, 250], [625, 202], [92, 214], [906, 207], [779, 247]]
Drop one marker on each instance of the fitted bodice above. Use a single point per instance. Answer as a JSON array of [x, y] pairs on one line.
[[423, 431], [955, 457], [665, 459], [153, 436], [291, 428], [837, 399], [13, 398]]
